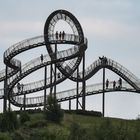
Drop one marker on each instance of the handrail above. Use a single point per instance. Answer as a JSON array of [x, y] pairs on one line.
[[28, 43], [94, 88], [88, 71]]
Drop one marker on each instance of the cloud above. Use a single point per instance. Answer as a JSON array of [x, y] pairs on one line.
[[12, 32], [109, 29], [18, 27]]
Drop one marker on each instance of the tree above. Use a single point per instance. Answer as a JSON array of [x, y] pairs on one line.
[[53, 110]]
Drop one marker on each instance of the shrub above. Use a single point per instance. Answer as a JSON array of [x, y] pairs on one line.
[[105, 130], [9, 121], [53, 111], [77, 132], [5, 136], [38, 124], [17, 136], [24, 117], [85, 112]]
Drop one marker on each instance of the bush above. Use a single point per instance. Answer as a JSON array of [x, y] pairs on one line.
[[105, 130], [85, 112], [53, 111], [5, 136], [77, 132], [8, 121], [24, 117], [17, 136], [38, 124]]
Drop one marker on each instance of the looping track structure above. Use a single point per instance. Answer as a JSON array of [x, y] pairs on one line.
[[64, 64]]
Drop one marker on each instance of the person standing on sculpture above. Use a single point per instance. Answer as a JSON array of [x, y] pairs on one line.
[[120, 83], [41, 58], [63, 35], [60, 35], [56, 35], [107, 83], [114, 84]]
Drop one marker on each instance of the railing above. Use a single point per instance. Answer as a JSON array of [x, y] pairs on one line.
[[37, 62], [2, 74], [1, 93], [29, 43], [94, 88], [88, 70], [26, 43], [67, 37], [123, 70], [40, 84], [23, 45], [114, 64]]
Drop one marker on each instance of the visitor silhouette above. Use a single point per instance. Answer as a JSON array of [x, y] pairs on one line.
[[63, 35], [120, 83], [114, 84], [18, 87], [60, 35], [107, 83], [41, 57], [56, 35]]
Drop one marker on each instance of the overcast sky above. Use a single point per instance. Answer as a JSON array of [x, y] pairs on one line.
[[111, 26]]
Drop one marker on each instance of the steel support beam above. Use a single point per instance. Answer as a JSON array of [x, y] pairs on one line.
[[69, 104], [103, 98], [24, 102], [5, 91], [77, 89], [55, 71], [83, 84], [45, 89], [51, 72]]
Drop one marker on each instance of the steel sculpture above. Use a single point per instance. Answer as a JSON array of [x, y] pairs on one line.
[[63, 64]]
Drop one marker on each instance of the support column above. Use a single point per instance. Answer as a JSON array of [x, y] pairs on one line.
[[77, 89], [24, 107], [69, 104], [45, 89], [55, 71], [103, 104], [51, 71], [9, 106], [5, 91], [83, 84]]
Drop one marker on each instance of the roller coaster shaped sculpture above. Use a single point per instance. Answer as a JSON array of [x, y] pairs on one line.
[[63, 65]]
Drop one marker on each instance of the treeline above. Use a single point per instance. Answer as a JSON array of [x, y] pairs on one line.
[[84, 112]]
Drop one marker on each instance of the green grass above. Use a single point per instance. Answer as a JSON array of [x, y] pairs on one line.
[[85, 127]]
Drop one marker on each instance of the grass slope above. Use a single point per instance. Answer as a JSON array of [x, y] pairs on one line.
[[75, 127]]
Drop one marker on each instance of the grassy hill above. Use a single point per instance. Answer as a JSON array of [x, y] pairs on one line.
[[74, 127]]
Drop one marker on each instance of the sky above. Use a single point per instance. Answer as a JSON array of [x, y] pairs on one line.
[[112, 28]]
